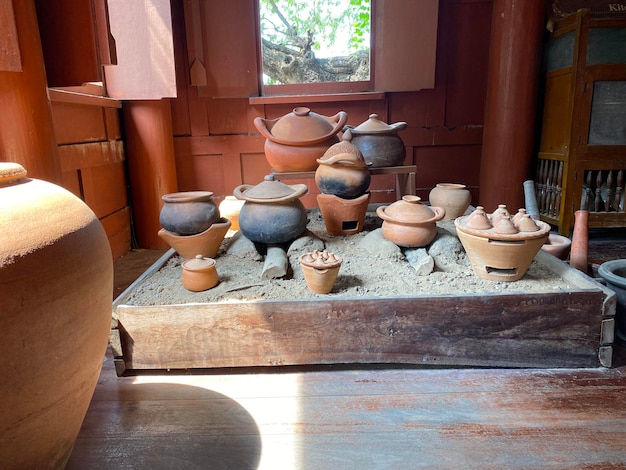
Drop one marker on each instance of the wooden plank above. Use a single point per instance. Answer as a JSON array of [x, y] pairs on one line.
[[546, 331], [433, 418]]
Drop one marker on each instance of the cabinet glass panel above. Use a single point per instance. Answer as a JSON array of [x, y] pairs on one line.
[[606, 46], [560, 52], [608, 113]]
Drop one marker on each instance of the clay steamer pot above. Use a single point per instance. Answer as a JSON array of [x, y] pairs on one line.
[[379, 142], [320, 270], [188, 212], [272, 212], [498, 248], [409, 223], [295, 141]]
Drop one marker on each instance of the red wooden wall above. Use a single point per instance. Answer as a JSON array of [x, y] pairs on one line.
[[218, 148]]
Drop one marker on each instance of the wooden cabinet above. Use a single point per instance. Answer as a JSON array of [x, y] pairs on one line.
[[582, 151]]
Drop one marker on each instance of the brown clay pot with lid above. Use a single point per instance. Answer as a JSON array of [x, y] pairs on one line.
[[199, 273], [498, 248], [295, 141], [409, 223], [273, 212], [379, 142], [56, 283]]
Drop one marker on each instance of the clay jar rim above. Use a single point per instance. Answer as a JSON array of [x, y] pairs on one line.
[[419, 214], [607, 271], [451, 186], [270, 190], [188, 196], [375, 126], [320, 128], [11, 172]]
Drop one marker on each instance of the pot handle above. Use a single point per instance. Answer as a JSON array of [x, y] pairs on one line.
[[339, 120], [398, 126], [265, 126], [239, 190]]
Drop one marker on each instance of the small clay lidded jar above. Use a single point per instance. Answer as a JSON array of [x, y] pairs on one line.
[[199, 274]]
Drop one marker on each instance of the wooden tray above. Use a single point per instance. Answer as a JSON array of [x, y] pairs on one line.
[[574, 328]]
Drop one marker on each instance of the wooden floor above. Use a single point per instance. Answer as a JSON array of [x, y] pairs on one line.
[[334, 418]]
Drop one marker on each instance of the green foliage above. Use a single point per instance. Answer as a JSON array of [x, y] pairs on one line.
[[316, 24]]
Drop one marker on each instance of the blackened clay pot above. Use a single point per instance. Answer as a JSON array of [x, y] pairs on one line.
[[379, 142], [343, 175], [56, 285], [188, 212], [272, 212]]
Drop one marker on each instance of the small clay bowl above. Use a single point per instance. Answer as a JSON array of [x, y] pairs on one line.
[[199, 274]]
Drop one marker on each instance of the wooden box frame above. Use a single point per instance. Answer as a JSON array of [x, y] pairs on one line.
[[573, 328]]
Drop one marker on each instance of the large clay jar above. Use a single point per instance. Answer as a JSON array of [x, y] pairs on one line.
[[409, 223], [379, 142], [453, 197], [498, 249], [188, 212], [295, 141], [56, 286], [272, 212]]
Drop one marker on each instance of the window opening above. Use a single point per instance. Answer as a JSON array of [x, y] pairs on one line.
[[315, 41]]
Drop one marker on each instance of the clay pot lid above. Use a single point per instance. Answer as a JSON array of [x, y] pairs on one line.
[[410, 210], [11, 172], [321, 259], [344, 146], [302, 124], [375, 126], [270, 190], [199, 264]]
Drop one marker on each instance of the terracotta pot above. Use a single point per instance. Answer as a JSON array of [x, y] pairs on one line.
[[230, 208], [343, 216], [295, 141], [579, 253], [272, 212], [199, 274], [56, 287], [614, 274], [454, 198], [189, 212], [343, 175], [379, 142], [205, 243], [557, 245], [500, 251], [409, 223], [320, 270]]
